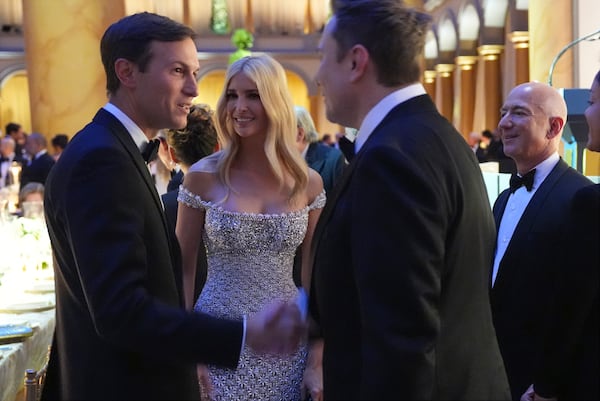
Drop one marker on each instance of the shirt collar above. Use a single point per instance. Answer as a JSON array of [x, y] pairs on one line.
[[41, 152], [543, 169], [136, 132], [381, 109]]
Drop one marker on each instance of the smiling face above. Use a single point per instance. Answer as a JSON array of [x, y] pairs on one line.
[[245, 108], [531, 123], [592, 116], [165, 90]]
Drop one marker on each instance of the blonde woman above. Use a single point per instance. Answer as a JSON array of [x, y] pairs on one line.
[[253, 202]]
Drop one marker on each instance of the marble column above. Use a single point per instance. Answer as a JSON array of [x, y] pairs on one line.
[[444, 89], [66, 78], [520, 51], [465, 96], [429, 82], [488, 98]]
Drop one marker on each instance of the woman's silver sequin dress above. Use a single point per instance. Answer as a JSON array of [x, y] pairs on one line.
[[250, 261]]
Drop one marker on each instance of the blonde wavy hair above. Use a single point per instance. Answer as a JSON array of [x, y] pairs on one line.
[[279, 147]]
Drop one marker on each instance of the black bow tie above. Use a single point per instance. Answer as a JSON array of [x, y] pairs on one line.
[[3, 159], [526, 180], [150, 150]]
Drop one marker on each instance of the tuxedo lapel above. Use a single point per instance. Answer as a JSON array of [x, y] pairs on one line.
[[115, 127], [500, 207], [527, 220], [330, 206], [417, 104]]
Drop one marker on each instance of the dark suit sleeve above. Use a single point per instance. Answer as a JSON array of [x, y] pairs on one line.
[[397, 269], [576, 309], [116, 233]]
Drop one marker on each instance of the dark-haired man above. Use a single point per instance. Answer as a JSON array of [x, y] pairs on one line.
[[121, 330], [403, 248]]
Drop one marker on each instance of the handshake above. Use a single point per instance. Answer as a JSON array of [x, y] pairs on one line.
[[279, 327]]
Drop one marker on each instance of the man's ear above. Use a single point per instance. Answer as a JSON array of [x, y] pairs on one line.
[[300, 135], [359, 57], [125, 71], [556, 126], [172, 154]]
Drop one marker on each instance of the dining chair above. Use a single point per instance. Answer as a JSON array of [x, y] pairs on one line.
[[34, 381]]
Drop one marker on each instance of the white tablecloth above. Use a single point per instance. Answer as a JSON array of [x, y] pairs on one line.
[[29, 354]]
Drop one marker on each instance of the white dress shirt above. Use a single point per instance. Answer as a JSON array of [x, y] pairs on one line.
[[381, 109], [5, 170], [515, 207], [136, 132]]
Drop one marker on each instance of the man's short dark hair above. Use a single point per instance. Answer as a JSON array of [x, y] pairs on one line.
[[60, 141], [393, 34], [130, 38], [12, 127]]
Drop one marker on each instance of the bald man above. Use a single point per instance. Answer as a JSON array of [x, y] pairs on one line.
[[530, 218]]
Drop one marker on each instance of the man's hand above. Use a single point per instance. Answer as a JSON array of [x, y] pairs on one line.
[[276, 329]]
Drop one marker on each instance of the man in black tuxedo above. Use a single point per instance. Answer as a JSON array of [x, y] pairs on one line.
[[531, 217], [121, 330], [40, 163], [403, 248]]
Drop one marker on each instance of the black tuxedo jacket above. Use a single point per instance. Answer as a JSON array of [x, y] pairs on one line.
[[121, 332], [402, 257], [523, 293], [329, 162], [37, 170]]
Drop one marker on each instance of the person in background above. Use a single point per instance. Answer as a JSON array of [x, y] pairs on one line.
[[176, 174], [483, 148], [531, 217], [254, 202], [32, 193], [473, 140], [403, 250], [59, 143], [327, 161], [40, 163], [7, 157], [569, 364], [15, 131], [328, 140], [185, 147], [121, 329]]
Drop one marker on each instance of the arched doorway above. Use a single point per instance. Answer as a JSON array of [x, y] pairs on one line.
[[14, 100]]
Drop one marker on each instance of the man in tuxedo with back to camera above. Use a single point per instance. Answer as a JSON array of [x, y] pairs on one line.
[[403, 248], [121, 329], [530, 216]]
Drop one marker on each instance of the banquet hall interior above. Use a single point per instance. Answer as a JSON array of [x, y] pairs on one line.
[[476, 51]]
